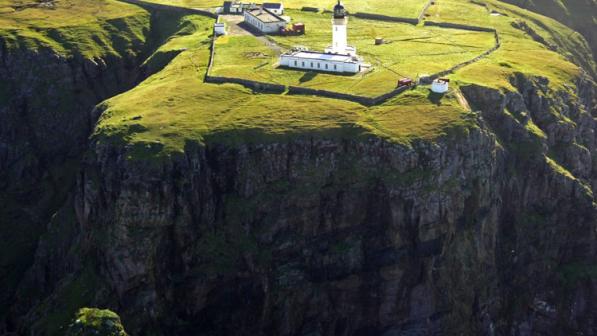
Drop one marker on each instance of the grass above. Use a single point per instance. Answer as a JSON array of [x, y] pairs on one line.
[[185, 111], [92, 29], [101, 322], [409, 51], [179, 108], [518, 53], [401, 8]]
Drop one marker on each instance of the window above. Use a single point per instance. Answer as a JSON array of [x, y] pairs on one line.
[[295, 62], [311, 64], [326, 66], [317, 65], [335, 68], [303, 64]]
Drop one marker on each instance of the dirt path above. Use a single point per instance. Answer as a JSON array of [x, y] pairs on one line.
[[462, 100]]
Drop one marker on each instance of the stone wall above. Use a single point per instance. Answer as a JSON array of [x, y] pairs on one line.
[[253, 85], [458, 26], [429, 3], [379, 17]]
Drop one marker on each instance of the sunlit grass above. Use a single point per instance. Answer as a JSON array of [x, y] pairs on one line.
[[409, 51]]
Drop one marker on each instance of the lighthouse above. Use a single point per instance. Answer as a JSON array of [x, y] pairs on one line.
[[339, 25], [338, 57], [339, 34]]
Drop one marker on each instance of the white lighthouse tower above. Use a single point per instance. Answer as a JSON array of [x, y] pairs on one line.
[[339, 33]]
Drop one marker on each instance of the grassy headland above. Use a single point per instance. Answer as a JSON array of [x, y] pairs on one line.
[[179, 107]]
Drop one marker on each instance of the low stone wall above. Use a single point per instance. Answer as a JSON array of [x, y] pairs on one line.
[[458, 26], [367, 101], [310, 9], [422, 15], [379, 17], [384, 97], [253, 85], [212, 51], [157, 6]]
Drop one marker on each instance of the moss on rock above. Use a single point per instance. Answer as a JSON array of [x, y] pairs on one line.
[[94, 321]]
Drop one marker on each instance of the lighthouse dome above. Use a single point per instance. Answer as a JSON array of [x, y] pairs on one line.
[[339, 11]]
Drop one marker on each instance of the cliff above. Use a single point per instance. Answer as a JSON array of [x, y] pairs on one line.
[[221, 211], [485, 231], [53, 74]]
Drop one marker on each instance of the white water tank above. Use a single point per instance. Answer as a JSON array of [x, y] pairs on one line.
[[440, 85]]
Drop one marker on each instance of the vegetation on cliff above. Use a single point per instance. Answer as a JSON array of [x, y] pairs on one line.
[[94, 321]]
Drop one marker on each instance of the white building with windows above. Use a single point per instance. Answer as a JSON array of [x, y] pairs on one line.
[[339, 57], [317, 61], [264, 20]]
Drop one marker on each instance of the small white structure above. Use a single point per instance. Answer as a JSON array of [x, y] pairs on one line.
[[440, 85], [219, 28], [264, 20], [274, 7], [310, 60], [339, 57]]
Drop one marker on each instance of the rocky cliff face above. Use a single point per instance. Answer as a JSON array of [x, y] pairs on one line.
[[489, 231], [45, 102]]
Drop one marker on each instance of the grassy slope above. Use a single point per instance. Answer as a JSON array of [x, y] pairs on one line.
[[519, 53], [73, 27], [190, 110], [578, 14], [410, 51]]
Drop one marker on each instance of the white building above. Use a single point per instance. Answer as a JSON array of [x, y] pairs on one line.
[[274, 7], [264, 20], [219, 28], [317, 61], [339, 57], [440, 85]]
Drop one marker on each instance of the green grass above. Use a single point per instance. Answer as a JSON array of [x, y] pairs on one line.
[[518, 53], [174, 107], [92, 29], [100, 322], [578, 14], [401, 8], [189, 110], [409, 51]]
